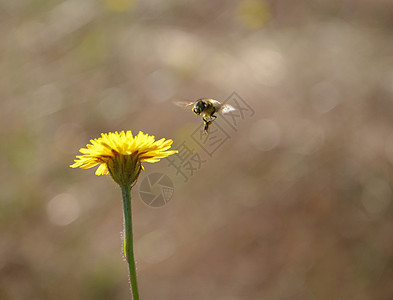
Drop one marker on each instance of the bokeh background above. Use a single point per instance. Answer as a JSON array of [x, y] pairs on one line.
[[295, 205]]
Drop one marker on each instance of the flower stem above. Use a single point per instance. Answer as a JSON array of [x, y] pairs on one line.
[[129, 248]]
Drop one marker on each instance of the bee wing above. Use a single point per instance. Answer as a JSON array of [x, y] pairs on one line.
[[226, 108], [186, 104]]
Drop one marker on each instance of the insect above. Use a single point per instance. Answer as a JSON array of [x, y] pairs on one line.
[[207, 108]]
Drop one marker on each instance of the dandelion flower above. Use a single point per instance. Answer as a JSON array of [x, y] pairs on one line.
[[121, 155]]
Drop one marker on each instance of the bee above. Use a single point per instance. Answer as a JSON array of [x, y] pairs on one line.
[[207, 108]]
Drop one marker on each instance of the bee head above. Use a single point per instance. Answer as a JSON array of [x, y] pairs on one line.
[[198, 107]]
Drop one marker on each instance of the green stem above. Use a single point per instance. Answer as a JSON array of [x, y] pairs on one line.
[[129, 248]]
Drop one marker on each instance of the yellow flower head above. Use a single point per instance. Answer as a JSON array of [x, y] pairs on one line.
[[121, 154]]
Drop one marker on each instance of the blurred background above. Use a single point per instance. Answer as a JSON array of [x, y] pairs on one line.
[[295, 205]]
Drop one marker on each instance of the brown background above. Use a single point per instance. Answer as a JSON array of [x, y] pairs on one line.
[[295, 205]]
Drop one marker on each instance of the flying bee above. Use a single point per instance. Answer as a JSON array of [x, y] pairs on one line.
[[207, 108]]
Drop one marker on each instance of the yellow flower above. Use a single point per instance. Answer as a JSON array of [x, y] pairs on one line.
[[121, 154]]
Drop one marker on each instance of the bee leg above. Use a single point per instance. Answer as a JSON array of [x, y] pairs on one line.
[[207, 124], [209, 119], [206, 129]]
